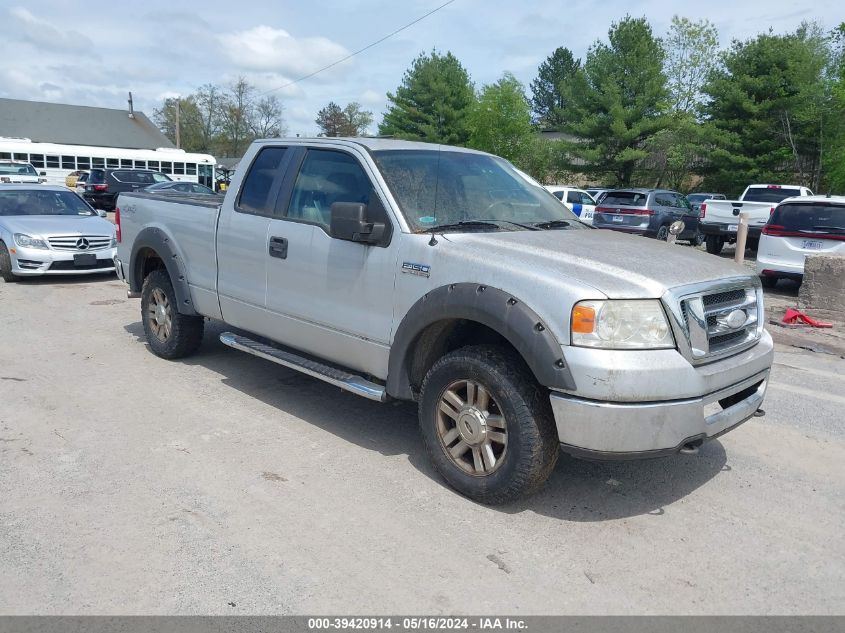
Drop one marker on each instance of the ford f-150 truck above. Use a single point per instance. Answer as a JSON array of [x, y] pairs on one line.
[[442, 275], [720, 218]]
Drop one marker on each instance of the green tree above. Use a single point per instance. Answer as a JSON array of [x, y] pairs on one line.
[[767, 103], [691, 54], [547, 100], [833, 155], [432, 103], [189, 119], [237, 118], [500, 120], [349, 121], [616, 103]]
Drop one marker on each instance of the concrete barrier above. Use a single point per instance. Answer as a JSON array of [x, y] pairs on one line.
[[823, 287]]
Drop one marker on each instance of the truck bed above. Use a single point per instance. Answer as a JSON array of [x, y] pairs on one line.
[[190, 220]]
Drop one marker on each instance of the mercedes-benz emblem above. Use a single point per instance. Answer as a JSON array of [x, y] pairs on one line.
[[82, 244]]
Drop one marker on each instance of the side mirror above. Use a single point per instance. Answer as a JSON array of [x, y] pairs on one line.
[[349, 222], [42, 173], [102, 213]]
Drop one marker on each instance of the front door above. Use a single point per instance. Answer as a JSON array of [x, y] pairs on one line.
[[331, 297]]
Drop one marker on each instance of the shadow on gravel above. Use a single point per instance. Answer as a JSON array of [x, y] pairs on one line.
[[57, 281], [578, 490]]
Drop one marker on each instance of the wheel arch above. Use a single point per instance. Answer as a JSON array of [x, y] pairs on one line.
[[463, 314], [151, 250]]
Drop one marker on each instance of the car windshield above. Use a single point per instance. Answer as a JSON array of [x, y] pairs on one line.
[[18, 168], [810, 217], [770, 194], [25, 202], [437, 188]]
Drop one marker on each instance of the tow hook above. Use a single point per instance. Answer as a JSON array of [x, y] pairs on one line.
[[759, 413], [689, 449]]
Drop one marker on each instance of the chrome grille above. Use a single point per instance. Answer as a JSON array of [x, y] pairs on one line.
[[722, 321], [79, 243]]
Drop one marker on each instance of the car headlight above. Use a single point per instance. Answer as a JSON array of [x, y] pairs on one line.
[[27, 241], [621, 324]]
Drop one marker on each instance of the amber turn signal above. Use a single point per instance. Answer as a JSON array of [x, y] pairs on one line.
[[583, 319]]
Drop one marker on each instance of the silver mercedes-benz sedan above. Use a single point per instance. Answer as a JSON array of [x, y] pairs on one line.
[[47, 230]]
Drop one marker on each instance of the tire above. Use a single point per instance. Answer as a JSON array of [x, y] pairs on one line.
[[698, 240], [170, 335], [663, 233], [769, 281], [752, 243], [522, 410], [6, 265], [715, 244]]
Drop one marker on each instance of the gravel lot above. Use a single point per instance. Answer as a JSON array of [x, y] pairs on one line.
[[224, 484]]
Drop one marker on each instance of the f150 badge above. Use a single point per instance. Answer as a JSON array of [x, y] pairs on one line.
[[423, 270]]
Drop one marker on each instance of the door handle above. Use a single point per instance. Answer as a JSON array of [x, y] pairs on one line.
[[279, 247]]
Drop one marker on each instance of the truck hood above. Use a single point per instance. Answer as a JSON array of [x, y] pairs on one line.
[[617, 265], [44, 225]]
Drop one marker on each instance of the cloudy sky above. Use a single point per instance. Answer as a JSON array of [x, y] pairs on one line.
[[94, 52]]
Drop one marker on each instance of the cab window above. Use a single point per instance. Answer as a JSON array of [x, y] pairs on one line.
[[258, 193], [326, 177]]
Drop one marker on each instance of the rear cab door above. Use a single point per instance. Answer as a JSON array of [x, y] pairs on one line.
[[242, 236]]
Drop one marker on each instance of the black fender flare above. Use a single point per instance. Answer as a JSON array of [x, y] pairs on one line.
[[500, 311], [155, 239]]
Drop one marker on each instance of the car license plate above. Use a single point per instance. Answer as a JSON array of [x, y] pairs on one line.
[[85, 259], [733, 228], [812, 245], [617, 218]]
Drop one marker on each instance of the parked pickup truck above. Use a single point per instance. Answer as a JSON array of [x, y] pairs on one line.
[[720, 218], [442, 275]]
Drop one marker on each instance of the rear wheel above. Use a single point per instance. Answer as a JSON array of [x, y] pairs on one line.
[[487, 424], [697, 240], [6, 265], [170, 334], [715, 244], [663, 233]]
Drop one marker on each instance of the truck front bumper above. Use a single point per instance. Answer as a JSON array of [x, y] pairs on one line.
[[670, 406]]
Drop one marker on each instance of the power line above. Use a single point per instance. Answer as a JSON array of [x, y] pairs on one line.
[[361, 50]]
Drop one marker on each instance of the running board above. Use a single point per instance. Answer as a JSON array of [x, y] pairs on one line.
[[350, 382]]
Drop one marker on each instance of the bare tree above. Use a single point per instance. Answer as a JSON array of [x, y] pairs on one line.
[[267, 118], [237, 113]]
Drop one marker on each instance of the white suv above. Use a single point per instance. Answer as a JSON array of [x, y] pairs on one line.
[[798, 227]]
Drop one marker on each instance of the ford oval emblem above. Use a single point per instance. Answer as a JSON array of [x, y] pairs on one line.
[[734, 319]]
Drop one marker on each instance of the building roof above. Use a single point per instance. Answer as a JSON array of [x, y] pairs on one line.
[[78, 125]]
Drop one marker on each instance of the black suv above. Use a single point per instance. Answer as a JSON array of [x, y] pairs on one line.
[[104, 185], [648, 212]]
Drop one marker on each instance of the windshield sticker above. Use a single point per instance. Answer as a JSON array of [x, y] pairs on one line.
[[427, 219], [422, 270]]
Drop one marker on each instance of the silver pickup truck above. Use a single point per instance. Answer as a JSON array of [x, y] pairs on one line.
[[441, 275]]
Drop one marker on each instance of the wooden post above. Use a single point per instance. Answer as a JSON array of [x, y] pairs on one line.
[[741, 237]]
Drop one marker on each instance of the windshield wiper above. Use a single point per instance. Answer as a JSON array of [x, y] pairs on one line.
[[838, 229], [464, 224], [553, 224]]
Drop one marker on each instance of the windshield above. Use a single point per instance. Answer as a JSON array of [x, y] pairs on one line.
[[436, 188], [769, 194], [24, 202], [18, 168]]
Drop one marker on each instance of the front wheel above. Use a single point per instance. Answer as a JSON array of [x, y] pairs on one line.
[[170, 334], [487, 424], [715, 244], [6, 273]]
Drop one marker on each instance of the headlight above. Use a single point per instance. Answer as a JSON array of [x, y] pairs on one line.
[[26, 241], [621, 325]]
